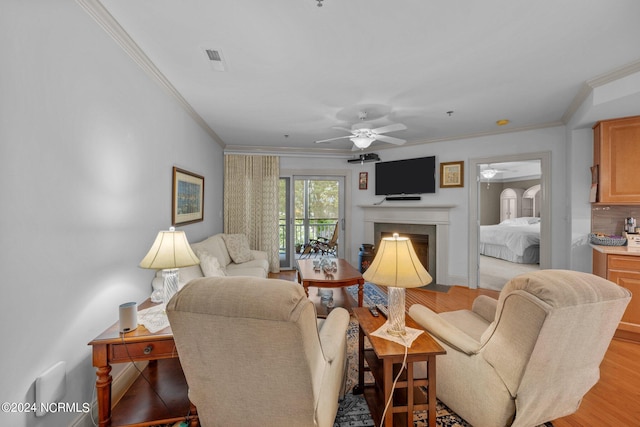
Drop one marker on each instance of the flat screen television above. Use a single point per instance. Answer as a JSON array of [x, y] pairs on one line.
[[410, 176]]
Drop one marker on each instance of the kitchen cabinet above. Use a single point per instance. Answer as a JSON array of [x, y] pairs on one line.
[[622, 266], [616, 152]]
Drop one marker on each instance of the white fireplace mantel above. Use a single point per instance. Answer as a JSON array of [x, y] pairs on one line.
[[437, 215]]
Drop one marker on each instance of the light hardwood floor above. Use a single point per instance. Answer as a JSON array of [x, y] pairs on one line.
[[613, 401]]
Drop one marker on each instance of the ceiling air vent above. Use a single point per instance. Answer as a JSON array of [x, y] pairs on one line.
[[214, 55], [215, 59]]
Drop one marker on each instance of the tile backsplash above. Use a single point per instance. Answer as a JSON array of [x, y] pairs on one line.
[[609, 219]]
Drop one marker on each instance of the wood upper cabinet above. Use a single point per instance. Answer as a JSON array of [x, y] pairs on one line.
[[616, 149]]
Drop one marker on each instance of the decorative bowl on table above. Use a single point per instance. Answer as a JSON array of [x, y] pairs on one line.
[[607, 240]]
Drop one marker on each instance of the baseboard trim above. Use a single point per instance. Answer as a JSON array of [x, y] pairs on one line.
[[119, 386], [628, 332]]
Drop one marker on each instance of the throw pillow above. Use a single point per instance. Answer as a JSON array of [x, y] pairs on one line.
[[238, 247], [210, 265]]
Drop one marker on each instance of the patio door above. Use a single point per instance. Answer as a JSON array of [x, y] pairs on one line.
[[311, 206], [285, 223]]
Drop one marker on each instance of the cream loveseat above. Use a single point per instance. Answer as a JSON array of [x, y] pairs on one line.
[[221, 255], [254, 354], [530, 356]]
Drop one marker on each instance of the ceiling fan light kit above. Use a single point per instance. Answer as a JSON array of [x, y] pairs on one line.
[[488, 173], [362, 141], [362, 134]]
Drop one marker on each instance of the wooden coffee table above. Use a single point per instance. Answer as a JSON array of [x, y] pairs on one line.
[[344, 276]]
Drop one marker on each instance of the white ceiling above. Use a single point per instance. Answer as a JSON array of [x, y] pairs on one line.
[[297, 69]]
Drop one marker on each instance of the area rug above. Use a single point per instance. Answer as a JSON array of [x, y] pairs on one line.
[[372, 295], [434, 287], [353, 410]]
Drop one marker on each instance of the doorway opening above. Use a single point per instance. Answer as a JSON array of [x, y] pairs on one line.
[[508, 203]]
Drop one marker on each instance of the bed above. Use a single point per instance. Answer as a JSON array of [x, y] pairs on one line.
[[515, 240]]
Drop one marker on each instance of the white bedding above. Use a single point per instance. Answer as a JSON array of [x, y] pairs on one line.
[[518, 236]]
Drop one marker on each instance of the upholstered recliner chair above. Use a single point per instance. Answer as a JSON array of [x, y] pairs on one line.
[[530, 356], [254, 354]]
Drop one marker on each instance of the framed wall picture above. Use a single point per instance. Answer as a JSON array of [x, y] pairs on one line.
[[187, 200], [363, 180], [451, 174]]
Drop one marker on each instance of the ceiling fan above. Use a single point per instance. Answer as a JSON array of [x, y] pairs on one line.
[[489, 172], [363, 134]]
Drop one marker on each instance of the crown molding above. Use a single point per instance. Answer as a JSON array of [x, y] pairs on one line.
[[587, 87], [289, 151], [347, 153], [101, 15], [476, 135], [615, 74]]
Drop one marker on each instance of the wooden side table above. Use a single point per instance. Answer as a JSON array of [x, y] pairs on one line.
[[384, 360], [141, 406]]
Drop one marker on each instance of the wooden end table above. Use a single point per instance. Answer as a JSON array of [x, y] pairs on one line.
[[384, 360], [344, 276], [140, 405]]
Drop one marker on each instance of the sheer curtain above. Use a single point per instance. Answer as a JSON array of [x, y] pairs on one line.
[[251, 202]]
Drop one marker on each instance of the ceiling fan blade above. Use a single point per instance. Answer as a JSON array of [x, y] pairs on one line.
[[389, 128], [341, 128], [333, 139], [390, 139]]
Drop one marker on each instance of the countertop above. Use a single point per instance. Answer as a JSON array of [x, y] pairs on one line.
[[617, 250]]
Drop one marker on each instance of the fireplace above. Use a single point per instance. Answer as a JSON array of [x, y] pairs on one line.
[[426, 226], [419, 235], [420, 243]]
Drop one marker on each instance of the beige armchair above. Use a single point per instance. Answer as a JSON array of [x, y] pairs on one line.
[[530, 356], [254, 354]]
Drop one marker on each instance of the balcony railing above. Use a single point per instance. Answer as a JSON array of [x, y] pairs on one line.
[[321, 227]]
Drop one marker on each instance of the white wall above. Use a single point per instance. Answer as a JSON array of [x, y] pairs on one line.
[[549, 139], [580, 159], [87, 143]]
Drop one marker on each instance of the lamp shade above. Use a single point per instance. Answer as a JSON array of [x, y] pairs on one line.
[[397, 265], [170, 250]]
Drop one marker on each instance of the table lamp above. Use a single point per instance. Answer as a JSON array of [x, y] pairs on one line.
[[169, 252], [397, 266]]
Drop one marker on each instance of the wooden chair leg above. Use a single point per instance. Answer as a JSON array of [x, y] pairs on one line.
[[306, 251]]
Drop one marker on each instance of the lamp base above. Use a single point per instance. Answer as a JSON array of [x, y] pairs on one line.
[[396, 311], [396, 333], [170, 288]]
